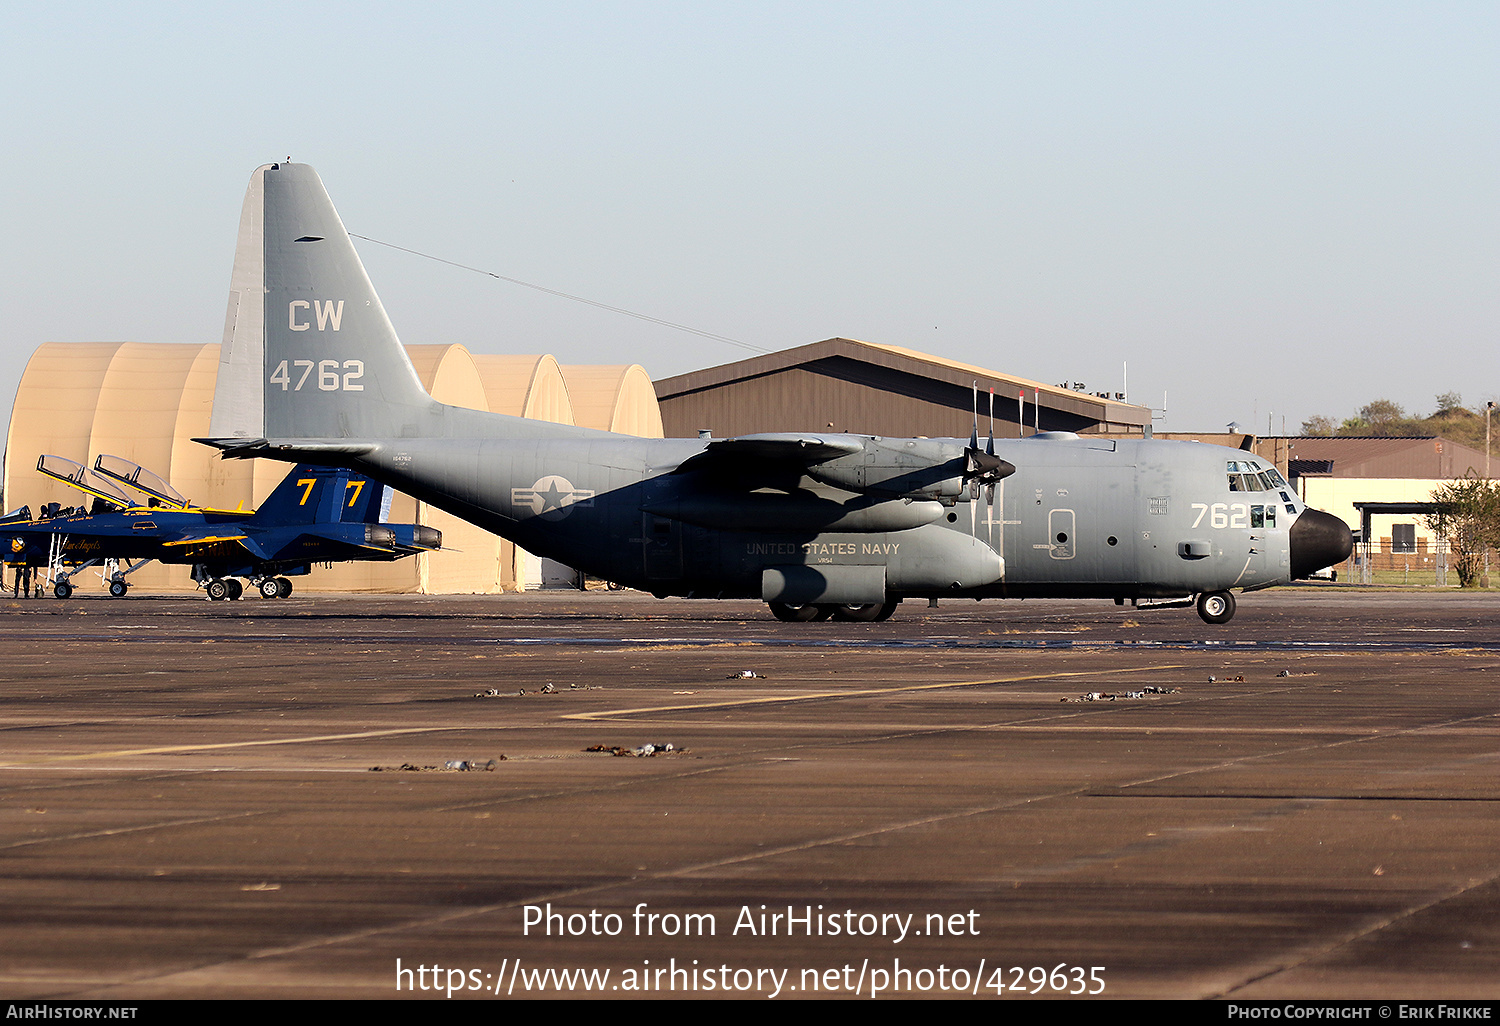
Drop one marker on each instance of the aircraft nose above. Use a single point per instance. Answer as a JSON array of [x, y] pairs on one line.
[[1318, 540]]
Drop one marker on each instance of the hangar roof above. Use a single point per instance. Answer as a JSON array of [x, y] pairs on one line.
[[1426, 457], [909, 362]]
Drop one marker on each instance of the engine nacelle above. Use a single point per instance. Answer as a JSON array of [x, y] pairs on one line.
[[901, 468], [414, 536], [758, 511]]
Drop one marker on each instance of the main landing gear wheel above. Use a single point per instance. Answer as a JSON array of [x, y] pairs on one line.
[[117, 589], [793, 614], [1216, 606], [270, 588], [218, 589], [236, 589], [286, 586], [62, 589], [860, 614]]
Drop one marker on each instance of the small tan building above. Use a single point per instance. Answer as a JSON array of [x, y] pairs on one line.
[[1385, 480], [1333, 474]]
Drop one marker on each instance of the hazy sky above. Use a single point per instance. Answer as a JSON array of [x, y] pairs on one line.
[[1265, 208]]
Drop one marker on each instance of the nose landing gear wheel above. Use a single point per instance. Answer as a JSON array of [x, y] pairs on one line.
[[62, 590], [1216, 606], [117, 589]]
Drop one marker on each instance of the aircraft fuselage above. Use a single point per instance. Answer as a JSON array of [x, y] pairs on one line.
[[1082, 516], [814, 524]]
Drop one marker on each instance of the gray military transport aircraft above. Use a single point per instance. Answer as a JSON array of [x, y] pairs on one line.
[[816, 524]]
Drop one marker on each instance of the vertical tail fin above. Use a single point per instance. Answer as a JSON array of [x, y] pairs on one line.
[[308, 349], [365, 501], [310, 495]]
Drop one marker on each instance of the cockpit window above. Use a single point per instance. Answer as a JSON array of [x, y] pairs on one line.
[[1262, 516], [1251, 476]]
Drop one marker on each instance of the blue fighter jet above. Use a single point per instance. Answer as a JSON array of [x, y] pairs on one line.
[[316, 515]]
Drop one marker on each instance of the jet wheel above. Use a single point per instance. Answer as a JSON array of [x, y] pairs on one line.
[[236, 589], [286, 586], [1216, 606], [218, 589], [117, 589], [270, 588], [793, 614], [62, 589]]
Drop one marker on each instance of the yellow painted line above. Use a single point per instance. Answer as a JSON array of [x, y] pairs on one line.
[[862, 693], [169, 749]]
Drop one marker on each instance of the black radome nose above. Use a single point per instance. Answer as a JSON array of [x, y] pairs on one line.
[[1318, 540]]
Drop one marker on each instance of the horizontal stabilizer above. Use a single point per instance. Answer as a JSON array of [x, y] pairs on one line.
[[310, 450]]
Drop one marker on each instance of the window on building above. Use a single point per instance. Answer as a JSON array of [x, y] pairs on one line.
[[1403, 537]]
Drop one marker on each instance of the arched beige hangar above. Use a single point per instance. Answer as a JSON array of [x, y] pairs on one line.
[[619, 398], [147, 401]]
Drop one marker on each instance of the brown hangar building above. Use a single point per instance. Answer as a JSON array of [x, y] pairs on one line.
[[864, 388]]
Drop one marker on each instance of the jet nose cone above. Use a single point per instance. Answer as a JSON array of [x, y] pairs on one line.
[[1318, 540]]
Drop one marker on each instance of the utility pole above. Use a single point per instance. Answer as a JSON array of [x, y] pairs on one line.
[[1484, 581], [1487, 408]]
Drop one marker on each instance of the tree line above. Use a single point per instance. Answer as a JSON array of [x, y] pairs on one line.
[[1385, 418]]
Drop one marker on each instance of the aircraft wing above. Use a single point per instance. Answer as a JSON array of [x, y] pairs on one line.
[[788, 448], [207, 537]]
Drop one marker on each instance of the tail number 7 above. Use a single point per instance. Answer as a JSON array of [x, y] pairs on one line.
[[329, 378]]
